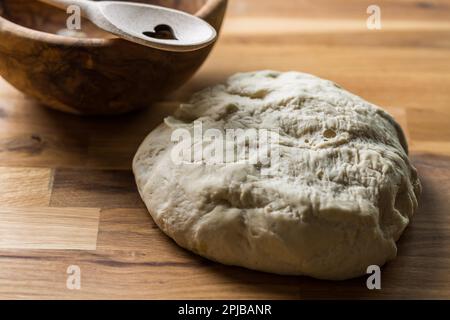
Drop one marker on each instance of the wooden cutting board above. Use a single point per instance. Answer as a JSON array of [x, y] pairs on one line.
[[68, 198]]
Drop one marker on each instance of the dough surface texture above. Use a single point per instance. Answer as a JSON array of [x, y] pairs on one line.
[[334, 200]]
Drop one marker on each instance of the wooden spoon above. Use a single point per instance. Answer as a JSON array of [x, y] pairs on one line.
[[149, 25]]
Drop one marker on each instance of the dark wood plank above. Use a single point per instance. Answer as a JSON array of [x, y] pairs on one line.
[[94, 188]]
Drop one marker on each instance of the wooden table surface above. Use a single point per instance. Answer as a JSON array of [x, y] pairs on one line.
[[67, 194]]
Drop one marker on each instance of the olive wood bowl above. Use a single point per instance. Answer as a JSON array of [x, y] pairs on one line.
[[92, 72]]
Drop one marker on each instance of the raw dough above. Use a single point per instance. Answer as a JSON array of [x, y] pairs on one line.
[[334, 201]]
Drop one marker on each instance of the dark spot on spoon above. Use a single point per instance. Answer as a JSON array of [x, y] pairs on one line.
[[162, 31]]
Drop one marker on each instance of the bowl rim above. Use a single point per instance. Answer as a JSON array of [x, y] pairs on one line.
[[51, 38]]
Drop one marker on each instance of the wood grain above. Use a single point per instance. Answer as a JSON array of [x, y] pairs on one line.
[[25, 186], [54, 166]]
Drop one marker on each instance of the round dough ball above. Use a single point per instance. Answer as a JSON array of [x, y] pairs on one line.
[[331, 196]]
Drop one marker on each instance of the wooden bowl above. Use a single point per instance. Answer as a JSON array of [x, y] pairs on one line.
[[96, 73]]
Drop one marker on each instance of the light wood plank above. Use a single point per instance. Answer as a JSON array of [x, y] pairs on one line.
[[25, 186], [49, 228], [273, 26], [428, 10]]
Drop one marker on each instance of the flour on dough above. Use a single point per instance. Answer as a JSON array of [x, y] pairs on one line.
[[335, 200]]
